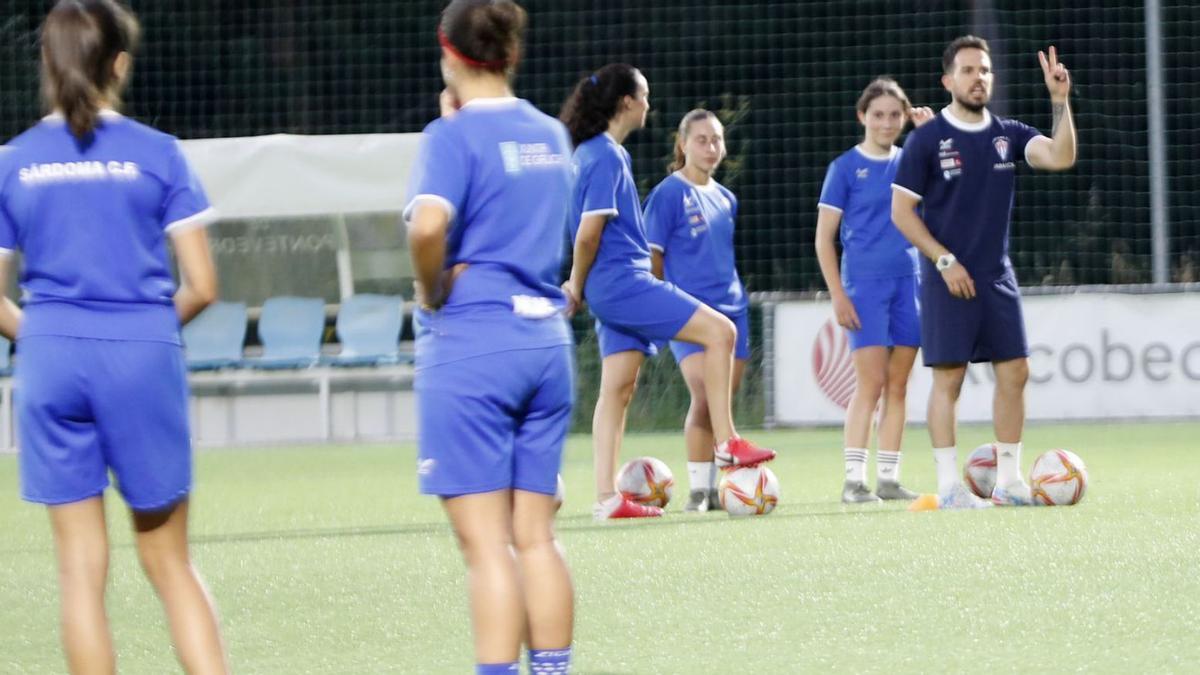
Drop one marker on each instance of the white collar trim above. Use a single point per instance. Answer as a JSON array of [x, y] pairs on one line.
[[491, 102], [104, 112], [967, 126], [891, 153], [711, 185]]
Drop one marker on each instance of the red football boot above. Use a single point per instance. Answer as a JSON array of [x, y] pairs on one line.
[[738, 452], [618, 506]]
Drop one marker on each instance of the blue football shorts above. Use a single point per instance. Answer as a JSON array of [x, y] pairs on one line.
[[494, 422], [888, 312], [86, 407]]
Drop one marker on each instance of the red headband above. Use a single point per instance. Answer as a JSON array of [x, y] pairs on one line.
[[448, 46]]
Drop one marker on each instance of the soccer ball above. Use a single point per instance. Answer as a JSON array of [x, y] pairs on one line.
[[646, 480], [749, 491], [980, 470], [1058, 478]]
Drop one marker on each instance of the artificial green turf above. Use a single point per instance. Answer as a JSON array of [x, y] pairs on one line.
[[324, 560]]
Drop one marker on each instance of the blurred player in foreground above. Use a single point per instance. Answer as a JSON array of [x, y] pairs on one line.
[[495, 379], [91, 199]]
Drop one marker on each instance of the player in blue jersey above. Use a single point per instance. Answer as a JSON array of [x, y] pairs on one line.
[[689, 225], [91, 199], [960, 169], [875, 291], [611, 269], [495, 379]]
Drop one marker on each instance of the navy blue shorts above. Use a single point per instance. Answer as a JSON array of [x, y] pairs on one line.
[[988, 327], [494, 422], [741, 321], [85, 407], [888, 312]]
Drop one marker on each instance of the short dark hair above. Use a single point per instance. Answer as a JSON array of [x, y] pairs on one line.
[[964, 42]]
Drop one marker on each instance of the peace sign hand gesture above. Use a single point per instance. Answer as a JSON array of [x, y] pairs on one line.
[[1058, 80]]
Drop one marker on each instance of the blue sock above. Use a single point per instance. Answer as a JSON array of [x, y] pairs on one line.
[[497, 668], [549, 661]]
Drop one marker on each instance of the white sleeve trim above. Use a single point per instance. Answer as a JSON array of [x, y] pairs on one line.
[[599, 212], [6, 252], [1039, 137], [656, 247], [906, 191], [437, 199], [206, 217], [831, 207]]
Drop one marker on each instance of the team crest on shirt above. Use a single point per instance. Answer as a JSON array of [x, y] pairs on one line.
[[862, 173], [1001, 145]]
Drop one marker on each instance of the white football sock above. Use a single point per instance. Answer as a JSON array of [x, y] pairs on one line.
[[887, 465], [714, 476], [856, 464], [699, 475], [945, 460], [1008, 463]]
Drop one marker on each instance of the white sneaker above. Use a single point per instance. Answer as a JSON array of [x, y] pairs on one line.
[[1017, 493], [959, 497]]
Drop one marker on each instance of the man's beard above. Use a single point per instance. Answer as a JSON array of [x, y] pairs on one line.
[[971, 105]]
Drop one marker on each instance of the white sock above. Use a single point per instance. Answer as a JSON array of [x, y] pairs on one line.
[[887, 465], [700, 475], [1008, 463], [714, 476], [945, 460], [856, 464]]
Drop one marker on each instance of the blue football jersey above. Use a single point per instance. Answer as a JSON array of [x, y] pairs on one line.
[[965, 175], [502, 170], [859, 186], [693, 227], [605, 186], [91, 221]]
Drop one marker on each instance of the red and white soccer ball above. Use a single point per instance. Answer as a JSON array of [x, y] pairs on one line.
[[1058, 478], [749, 491], [646, 480], [980, 470]]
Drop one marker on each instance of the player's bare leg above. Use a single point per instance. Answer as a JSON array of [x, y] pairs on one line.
[[1008, 418], [698, 433], [483, 524], [618, 381], [717, 334], [943, 422], [891, 425], [870, 377], [162, 543], [81, 546], [546, 581]]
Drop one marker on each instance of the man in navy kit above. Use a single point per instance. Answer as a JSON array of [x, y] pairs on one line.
[[959, 169]]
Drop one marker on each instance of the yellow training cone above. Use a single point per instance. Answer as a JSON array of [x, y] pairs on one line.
[[927, 502]]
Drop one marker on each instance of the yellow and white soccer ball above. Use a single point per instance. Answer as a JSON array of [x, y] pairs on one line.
[[1058, 478], [646, 480], [749, 491]]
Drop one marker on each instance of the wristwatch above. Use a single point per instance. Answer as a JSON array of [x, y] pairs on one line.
[[945, 261]]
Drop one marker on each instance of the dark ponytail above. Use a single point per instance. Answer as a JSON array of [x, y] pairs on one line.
[[597, 99], [81, 40], [484, 34]]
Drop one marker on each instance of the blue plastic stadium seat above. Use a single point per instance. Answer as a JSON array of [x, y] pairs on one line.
[[368, 326], [290, 330], [213, 340]]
